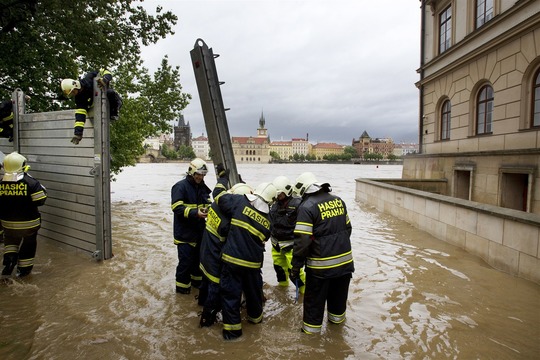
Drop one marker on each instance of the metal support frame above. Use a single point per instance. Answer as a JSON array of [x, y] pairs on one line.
[[215, 120]]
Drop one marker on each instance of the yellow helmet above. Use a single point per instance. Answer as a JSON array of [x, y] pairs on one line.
[[197, 166], [68, 85], [14, 167]]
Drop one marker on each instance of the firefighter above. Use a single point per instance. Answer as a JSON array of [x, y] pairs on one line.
[[282, 222], [190, 198], [6, 119], [242, 253], [20, 197], [324, 248], [83, 91], [214, 236]]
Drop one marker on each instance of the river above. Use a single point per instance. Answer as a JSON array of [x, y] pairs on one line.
[[411, 296]]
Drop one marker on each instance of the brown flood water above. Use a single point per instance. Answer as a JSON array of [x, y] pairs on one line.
[[412, 296]]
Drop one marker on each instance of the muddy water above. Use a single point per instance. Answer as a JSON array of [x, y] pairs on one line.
[[412, 296]]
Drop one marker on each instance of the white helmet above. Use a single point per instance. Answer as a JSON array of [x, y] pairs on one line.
[[283, 185], [14, 167], [198, 166], [241, 189], [68, 85], [304, 181], [266, 191]]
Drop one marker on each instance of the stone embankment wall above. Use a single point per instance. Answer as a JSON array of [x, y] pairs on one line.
[[507, 239]]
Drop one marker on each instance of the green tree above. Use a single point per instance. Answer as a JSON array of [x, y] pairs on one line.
[[351, 151], [54, 39], [186, 152], [275, 156]]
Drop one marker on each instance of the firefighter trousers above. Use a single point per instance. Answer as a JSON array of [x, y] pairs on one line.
[[320, 292], [188, 272], [282, 264], [234, 281], [19, 250]]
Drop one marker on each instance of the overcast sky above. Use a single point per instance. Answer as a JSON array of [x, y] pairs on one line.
[[327, 68]]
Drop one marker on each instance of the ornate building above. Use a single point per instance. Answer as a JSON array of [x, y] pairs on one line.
[[182, 133], [479, 124], [253, 150], [366, 145]]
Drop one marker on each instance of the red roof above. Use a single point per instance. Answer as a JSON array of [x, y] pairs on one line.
[[249, 139]]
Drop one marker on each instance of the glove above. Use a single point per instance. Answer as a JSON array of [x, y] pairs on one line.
[[103, 83], [76, 139], [220, 169], [294, 275]]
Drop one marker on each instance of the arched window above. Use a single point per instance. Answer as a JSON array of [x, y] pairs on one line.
[[536, 100], [445, 120], [484, 110]]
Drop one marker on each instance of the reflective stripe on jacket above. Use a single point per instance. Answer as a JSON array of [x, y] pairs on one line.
[[324, 246], [186, 198], [249, 229]]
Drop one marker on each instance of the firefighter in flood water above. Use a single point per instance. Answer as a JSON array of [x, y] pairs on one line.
[[214, 236], [190, 198], [20, 197], [283, 215], [242, 253], [324, 248]]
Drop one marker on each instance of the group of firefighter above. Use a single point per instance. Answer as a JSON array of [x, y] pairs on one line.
[[221, 243]]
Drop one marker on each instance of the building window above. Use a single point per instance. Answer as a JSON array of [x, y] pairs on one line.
[[445, 29], [484, 12], [536, 100], [484, 110], [445, 120]]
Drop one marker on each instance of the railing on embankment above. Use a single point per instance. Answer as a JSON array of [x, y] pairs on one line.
[[506, 239]]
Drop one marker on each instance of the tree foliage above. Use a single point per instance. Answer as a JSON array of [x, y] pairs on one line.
[[46, 41]]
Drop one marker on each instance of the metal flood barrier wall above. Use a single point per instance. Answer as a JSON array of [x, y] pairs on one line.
[[77, 212]]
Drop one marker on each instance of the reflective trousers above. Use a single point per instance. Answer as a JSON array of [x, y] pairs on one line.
[[19, 249], [188, 272], [282, 264], [320, 292], [234, 281]]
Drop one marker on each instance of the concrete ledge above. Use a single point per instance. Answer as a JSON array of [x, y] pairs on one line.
[[507, 239]]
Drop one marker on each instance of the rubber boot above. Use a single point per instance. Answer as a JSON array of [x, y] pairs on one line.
[[208, 317], [10, 260], [231, 334], [24, 271]]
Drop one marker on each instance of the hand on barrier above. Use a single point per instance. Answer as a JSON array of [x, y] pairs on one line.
[[76, 139]]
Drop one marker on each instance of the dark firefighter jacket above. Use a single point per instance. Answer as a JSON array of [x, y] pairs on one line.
[[249, 230], [282, 222], [19, 203], [186, 198], [214, 236], [85, 97], [324, 246]]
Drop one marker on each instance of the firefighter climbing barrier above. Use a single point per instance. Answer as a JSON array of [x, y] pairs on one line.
[[77, 212]]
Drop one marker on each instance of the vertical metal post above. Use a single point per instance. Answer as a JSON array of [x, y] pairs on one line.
[[19, 107], [215, 120], [102, 174]]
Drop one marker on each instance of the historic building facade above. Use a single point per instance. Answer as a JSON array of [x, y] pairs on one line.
[[201, 147], [253, 149], [479, 125], [182, 133]]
